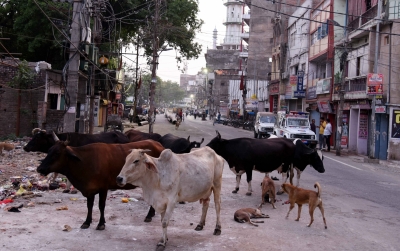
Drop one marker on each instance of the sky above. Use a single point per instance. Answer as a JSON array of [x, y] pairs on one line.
[[213, 13]]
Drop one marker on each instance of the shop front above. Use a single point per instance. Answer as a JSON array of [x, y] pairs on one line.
[[273, 90]]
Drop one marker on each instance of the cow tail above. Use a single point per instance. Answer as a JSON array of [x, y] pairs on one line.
[[317, 185], [291, 173]]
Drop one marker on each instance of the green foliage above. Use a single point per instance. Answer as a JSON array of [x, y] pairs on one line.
[[11, 136], [24, 77]]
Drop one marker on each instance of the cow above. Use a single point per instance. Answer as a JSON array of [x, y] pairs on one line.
[[177, 144], [92, 169], [264, 155], [176, 177], [43, 141], [135, 135]]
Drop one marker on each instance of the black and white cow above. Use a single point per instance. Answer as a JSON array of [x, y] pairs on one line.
[[178, 144], [264, 155]]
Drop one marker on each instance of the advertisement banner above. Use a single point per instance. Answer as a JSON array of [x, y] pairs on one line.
[[252, 103], [312, 92], [396, 124], [375, 84], [323, 86], [293, 80], [324, 107]]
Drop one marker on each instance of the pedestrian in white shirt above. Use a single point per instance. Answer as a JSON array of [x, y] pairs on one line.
[[327, 134]]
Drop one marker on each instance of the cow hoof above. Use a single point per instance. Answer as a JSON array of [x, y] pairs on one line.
[[66, 191], [147, 219], [248, 194], [182, 202], [85, 226], [73, 192], [217, 231], [199, 228], [101, 227], [160, 247], [279, 192]]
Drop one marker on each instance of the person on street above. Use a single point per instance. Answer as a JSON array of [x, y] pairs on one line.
[[313, 126], [327, 134], [322, 125], [131, 115], [219, 117]]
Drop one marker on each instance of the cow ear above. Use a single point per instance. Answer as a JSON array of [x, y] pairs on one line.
[[55, 136], [188, 139], [202, 140], [72, 153], [301, 148], [218, 135], [150, 165]]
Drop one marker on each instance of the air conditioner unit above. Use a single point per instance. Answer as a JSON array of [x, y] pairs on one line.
[[285, 75]]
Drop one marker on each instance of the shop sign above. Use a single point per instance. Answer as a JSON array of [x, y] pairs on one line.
[[375, 84], [324, 107], [380, 109], [312, 92], [274, 88], [252, 103], [323, 86], [293, 80], [396, 124], [363, 126]]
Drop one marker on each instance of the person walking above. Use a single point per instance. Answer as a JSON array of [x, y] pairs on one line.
[[322, 125], [327, 134], [313, 126], [219, 117]]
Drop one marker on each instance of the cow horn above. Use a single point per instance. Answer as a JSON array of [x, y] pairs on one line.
[[218, 135], [144, 151], [188, 139], [55, 136], [202, 140]]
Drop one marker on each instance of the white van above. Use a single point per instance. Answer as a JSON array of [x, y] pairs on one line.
[[264, 124]]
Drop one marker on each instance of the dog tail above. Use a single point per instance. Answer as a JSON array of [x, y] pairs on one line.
[[318, 186]]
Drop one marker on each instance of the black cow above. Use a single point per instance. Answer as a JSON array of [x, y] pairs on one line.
[[42, 141], [177, 144], [244, 154], [135, 135]]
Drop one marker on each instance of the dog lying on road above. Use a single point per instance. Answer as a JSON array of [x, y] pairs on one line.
[[246, 214], [302, 196], [267, 188]]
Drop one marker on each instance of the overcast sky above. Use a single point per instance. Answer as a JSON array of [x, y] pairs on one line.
[[213, 13]]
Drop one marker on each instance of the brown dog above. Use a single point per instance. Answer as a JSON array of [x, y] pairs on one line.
[[246, 214], [267, 188], [6, 146], [302, 196]]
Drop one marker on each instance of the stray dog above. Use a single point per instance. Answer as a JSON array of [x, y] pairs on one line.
[[6, 146], [246, 214], [302, 196], [267, 191]]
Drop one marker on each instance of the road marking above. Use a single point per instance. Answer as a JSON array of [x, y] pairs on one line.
[[343, 163]]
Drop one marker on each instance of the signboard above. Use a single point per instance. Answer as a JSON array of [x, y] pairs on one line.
[[375, 84], [380, 109], [289, 94], [312, 92], [323, 86], [396, 124], [324, 107], [96, 111], [273, 88], [293, 80], [117, 96], [345, 131], [299, 94], [363, 126], [252, 103], [300, 76]]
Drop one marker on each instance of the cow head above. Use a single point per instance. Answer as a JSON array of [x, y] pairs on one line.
[[40, 142], [195, 144], [306, 156], [215, 142], [57, 158], [136, 165]]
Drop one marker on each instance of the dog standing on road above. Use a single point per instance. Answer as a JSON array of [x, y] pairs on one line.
[[246, 214], [302, 196], [6, 146], [267, 188]]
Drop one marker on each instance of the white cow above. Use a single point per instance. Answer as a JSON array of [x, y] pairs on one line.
[[176, 177]]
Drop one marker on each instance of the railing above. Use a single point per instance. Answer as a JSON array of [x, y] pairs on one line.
[[353, 85], [357, 22]]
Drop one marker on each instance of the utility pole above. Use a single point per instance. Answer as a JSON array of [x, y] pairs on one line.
[[73, 67], [136, 81], [92, 76], [341, 91], [154, 70], [373, 120]]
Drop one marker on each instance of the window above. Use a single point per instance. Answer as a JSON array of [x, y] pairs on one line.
[[386, 40], [303, 67], [222, 84], [358, 66]]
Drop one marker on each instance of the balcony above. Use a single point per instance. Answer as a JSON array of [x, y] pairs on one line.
[[244, 54], [246, 18], [365, 18], [231, 40], [229, 2], [245, 36], [354, 89], [233, 20]]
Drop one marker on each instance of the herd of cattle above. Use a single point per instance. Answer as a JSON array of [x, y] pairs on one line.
[[165, 167]]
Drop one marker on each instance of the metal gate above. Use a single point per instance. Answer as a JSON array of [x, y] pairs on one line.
[[381, 136]]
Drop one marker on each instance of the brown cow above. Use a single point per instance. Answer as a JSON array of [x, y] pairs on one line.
[[92, 169], [135, 135]]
